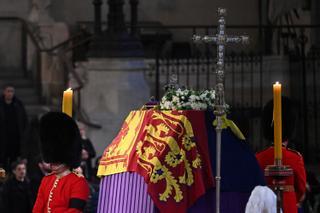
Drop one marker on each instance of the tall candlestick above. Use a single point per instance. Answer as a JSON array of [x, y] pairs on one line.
[[277, 120], [67, 102]]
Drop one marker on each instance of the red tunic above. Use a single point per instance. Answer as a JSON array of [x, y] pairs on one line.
[[292, 158], [67, 194]]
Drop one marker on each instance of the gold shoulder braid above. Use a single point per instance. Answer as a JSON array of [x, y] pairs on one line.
[[294, 151], [78, 173]]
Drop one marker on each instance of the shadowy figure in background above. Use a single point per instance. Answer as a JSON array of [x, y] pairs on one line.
[[30, 147], [96, 180], [88, 153], [43, 169], [2, 181], [94, 190], [16, 194], [13, 122], [312, 194]]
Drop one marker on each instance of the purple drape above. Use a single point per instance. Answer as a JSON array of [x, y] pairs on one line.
[[124, 193], [127, 193], [230, 202]]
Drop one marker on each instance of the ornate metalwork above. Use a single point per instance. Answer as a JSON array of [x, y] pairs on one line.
[[221, 39]]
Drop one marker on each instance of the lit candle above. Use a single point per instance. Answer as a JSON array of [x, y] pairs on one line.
[[67, 102], [277, 121]]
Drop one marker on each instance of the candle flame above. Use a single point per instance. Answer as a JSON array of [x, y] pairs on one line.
[[277, 82], [69, 89]]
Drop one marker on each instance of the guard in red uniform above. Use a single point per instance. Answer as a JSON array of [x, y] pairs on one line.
[[295, 186], [63, 191]]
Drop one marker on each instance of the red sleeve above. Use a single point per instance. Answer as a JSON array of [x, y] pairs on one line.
[[80, 189], [39, 206], [300, 181], [79, 196]]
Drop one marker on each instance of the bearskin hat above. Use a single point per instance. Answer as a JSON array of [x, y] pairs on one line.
[[60, 139], [288, 119]]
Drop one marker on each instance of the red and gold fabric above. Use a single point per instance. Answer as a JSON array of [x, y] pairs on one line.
[[167, 148]]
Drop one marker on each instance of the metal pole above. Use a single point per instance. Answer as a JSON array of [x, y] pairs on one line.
[[221, 39], [218, 162], [220, 100]]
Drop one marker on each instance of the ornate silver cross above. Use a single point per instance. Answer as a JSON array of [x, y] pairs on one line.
[[221, 39]]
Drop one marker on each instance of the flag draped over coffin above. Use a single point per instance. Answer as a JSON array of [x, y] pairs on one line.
[[169, 149]]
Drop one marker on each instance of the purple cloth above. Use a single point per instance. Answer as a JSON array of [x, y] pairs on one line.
[[127, 193], [231, 202], [124, 193]]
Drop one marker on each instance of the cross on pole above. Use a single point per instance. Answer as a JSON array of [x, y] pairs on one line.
[[221, 39]]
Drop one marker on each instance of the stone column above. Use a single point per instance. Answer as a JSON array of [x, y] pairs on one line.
[[134, 16], [114, 87], [115, 41], [97, 16], [115, 16], [315, 20], [115, 78]]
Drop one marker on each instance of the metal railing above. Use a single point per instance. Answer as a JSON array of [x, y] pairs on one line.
[[60, 51], [247, 80]]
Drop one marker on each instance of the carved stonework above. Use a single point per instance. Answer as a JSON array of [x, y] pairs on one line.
[[40, 12]]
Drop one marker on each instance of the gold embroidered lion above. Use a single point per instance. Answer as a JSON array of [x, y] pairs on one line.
[[169, 135]]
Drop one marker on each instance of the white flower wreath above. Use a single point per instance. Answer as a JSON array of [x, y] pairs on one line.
[[188, 99]]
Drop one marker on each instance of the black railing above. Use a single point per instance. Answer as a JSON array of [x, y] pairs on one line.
[[249, 79], [29, 33], [244, 91], [305, 81]]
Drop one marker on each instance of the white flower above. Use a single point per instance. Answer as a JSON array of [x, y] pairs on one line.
[[213, 94], [192, 98], [164, 98], [195, 106], [185, 92], [175, 99], [188, 99], [204, 106], [166, 105]]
